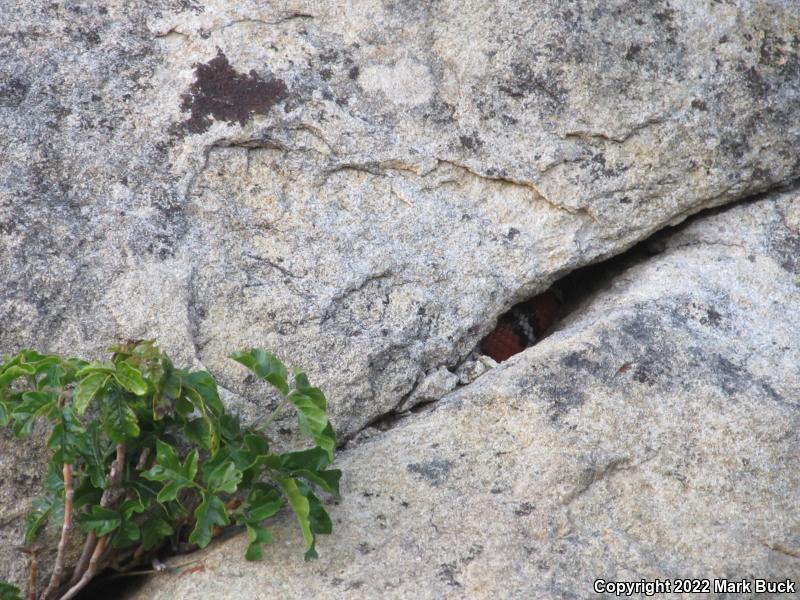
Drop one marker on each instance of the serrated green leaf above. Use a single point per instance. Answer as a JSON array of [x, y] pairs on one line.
[[130, 378], [327, 480], [314, 459], [202, 390], [119, 420], [66, 436], [169, 470], [93, 450], [154, 530], [34, 404], [147, 490], [257, 536], [211, 512], [6, 361], [263, 502], [266, 366], [327, 440], [224, 478], [318, 517], [183, 405], [41, 511], [41, 362], [88, 389], [226, 454], [256, 454], [12, 372], [74, 365], [175, 512], [52, 376], [86, 494], [127, 534], [9, 592], [142, 350], [230, 427], [54, 478], [301, 380], [256, 444], [5, 414], [100, 520], [132, 506], [101, 366], [302, 511], [167, 389], [312, 417], [199, 431]]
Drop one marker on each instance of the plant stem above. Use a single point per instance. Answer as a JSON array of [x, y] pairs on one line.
[[109, 496], [34, 571], [90, 571], [114, 478], [58, 570], [275, 413], [141, 465], [86, 555]]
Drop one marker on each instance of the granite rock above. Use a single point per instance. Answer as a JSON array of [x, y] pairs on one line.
[[365, 189], [362, 189], [654, 436]]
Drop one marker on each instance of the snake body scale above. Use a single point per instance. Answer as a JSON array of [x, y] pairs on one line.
[[522, 326]]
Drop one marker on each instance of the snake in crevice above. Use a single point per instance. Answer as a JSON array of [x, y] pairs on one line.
[[522, 326]]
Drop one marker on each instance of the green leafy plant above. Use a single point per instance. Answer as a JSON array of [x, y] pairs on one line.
[[146, 461]]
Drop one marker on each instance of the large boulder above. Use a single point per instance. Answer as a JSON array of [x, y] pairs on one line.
[[654, 436], [365, 189], [362, 189]]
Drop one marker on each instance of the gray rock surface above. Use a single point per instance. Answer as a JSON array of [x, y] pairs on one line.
[[362, 189], [21, 480], [655, 435]]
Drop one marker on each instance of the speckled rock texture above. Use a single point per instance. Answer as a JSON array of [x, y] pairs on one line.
[[655, 435], [360, 187], [20, 480]]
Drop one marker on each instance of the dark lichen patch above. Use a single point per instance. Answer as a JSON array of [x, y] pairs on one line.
[[650, 370], [471, 142], [578, 361], [712, 318], [364, 548], [784, 245], [524, 509], [447, 573], [13, 92], [354, 585], [525, 80], [219, 91], [563, 397], [632, 52], [434, 471]]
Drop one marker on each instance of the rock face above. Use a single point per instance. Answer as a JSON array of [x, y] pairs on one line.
[[655, 436], [21, 479], [362, 189]]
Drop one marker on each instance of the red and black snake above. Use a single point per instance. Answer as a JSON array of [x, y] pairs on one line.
[[522, 326]]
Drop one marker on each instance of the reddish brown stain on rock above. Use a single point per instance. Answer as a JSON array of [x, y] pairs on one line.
[[219, 91]]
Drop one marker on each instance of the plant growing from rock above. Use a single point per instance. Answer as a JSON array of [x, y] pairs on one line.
[[145, 460]]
